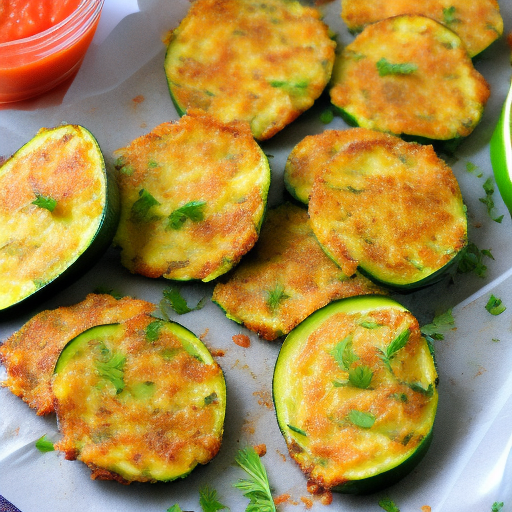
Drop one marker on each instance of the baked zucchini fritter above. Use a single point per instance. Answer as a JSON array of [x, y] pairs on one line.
[[285, 278], [261, 62], [409, 75], [477, 22], [312, 154], [30, 354], [193, 195], [139, 401], [355, 392], [393, 208]]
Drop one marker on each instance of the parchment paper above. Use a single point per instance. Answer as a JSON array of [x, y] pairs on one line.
[[120, 93]]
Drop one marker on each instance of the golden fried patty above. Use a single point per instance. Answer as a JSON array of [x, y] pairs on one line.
[[312, 154], [193, 194], [409, 75], [392, 207], [355, 390], [262, 62], [285, 278], [139, 401], [52, 196], [30, 354], [477, 22]]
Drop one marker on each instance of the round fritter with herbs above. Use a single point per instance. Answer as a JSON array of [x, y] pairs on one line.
[[391, 208], [139, 401], [193, 194], [285, 278], [262, 62], [58, 213], [355, 392], [477, 22], [29, 355], [312, 154], [409, 75]]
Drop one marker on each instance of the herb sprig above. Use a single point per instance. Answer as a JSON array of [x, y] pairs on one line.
[[46, 202], [384, 67], [193, 210], [44, 445]]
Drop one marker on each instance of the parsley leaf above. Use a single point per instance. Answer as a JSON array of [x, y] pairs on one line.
[[497, 506], [174, 299], [361, 419], [385, 68], [388, 505], [112, 369], [326, 116], [449, 15], [343, 353], [140, 208], [193, 210], [208, 499], [428, 392], [495, 306], [46, 202], [360, 376], [297, 430], [44, 445], [398, 343], [440, 324], [275, 297], [257, 488], [488, 199], [174, 508], [153, 330], [471, 260], [473, 169]]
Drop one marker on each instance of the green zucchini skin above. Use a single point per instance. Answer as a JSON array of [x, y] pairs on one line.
[[98, 244], [373, 475]]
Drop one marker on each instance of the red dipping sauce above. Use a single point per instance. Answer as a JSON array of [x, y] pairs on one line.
[[42, 43]]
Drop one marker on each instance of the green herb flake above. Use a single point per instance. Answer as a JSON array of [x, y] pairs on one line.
[[152, 164], [471, 260], [257, 487], [368, 324], [495, 306], [193, 210], [140, 211], [108, 291], [449, 15], [428, 391], [297, 430], [488, 200], [44, 445], [388, 505], [497, 506], [174, 299], [361, 419], [385, 68], [360, 376], [174, 508], [344, 354], [212, 398], [153, 330], [275, 297], [208, 499], [440, 324], [46, 202], [112, 369], [326, 116], [473, 169]]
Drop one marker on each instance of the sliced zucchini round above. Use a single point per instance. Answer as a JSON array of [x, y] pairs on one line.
[[478, 23], [409, 75], [58, 214], [139, 401], [355, 394], [393, 209], [193, 196], [262, 62]]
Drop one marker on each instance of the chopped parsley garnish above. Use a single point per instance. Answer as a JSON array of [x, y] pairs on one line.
[[174, 508], [440, 324], [297, 430], [176, 301], [257, 487], [275, 297], [385, 68], [488, 200], [343, 353], [449, 15], [212, 398], [193, 210], [140, 211], [495, 306], [472, 260], [44, 445], [46, 202], [368, 324], [473, 169], [360, 376], [361, 419], [153, 330], [208, 499], [428, 391], [388, 505], [290, 87], [398, 343], [326, 116], [111, 368], [497, 506]]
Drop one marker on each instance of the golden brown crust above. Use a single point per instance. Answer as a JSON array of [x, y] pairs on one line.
[[29, 355]]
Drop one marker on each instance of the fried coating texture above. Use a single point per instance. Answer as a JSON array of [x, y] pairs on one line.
[[285, 278], [392, 207], [30, 354], [409, 75], [262, 62], [477, 22], [195, 161], [139, 401]]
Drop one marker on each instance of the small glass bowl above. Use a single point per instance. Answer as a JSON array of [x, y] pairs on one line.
[[36, 64]]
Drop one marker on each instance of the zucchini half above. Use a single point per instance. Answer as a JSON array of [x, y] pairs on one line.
[[58, 214], [355, 394], [139, 401]]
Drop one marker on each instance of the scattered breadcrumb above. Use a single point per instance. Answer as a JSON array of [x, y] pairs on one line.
[[242, 340], [260, 449]]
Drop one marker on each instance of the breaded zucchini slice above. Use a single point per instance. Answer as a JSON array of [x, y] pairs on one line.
[[391, 208], [285, 278], [193, 195], [58, 213], [355, 394], [409, 75], [261, 62], [139, 401], [477, 22], [312, 154], [30, 354]]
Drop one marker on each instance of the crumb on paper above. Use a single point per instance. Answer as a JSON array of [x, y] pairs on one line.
[[282, 498], [260, 449], [314, 488], [217, 352], [264, 399], [242, 340], [326, 497], [481, 371], [426, 508], [143, 125], [282, 455], [202, 336], [168, 37], [138, 99], [248, 427], [308, 502]]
